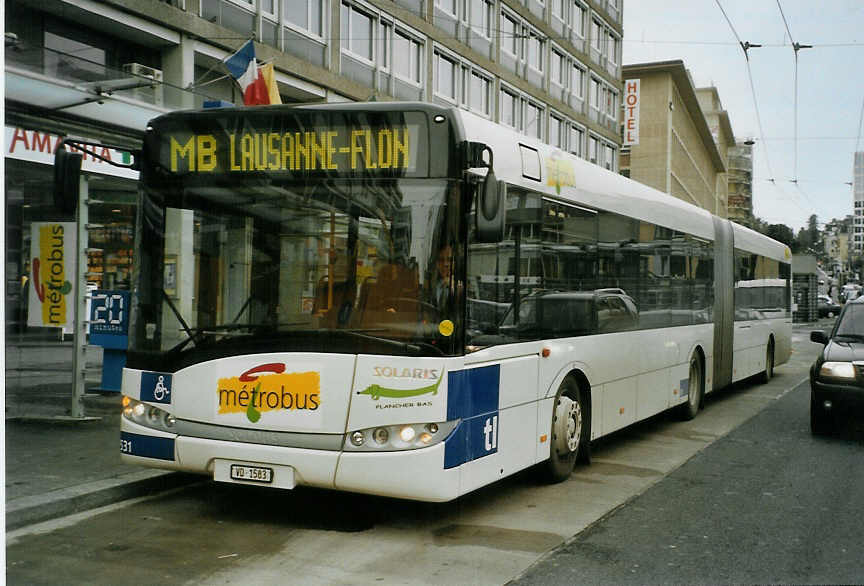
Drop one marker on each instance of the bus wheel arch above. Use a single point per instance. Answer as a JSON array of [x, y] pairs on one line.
[[570, 428], [695, 385]]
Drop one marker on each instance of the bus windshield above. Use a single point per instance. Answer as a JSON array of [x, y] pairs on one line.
[[352, 266]]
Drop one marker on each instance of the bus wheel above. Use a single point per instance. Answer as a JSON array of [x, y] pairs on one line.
[[768, 373], [695, 390], [569, 433]]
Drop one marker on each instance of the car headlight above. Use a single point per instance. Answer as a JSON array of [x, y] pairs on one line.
[[837, 370], [391, 438], [147, 415]]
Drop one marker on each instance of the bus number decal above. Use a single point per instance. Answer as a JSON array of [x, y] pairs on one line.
[[147, 446]]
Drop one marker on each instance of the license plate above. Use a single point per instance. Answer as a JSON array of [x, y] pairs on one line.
[[251, 473]]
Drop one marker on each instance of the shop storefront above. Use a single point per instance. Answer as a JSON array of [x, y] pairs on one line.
[[39, 356]]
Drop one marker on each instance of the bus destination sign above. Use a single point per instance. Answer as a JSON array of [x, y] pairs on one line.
[[338, 150]]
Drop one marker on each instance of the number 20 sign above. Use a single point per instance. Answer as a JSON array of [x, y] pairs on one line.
[[109, 318]]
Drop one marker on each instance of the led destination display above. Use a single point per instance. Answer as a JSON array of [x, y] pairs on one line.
[[295, 145]]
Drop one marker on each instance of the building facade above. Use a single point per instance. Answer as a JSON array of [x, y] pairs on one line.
[[676, 151], [721, 130], [857, 243], [101, 69]]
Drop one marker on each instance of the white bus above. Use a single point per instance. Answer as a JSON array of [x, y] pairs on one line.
[[317, 303]]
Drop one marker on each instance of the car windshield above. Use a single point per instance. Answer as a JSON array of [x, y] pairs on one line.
[[335, 266], [851, 322]]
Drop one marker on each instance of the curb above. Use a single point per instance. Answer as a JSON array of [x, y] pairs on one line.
[[83, 497]]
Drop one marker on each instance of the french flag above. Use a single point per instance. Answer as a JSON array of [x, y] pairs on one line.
[[244, 69]]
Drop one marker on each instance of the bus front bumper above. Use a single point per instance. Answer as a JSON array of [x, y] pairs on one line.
[[413, 474]]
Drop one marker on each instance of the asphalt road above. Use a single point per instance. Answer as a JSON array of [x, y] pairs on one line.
[[767, 503]]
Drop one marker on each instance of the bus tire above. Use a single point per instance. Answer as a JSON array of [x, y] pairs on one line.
[[767, 374], [569, 433], [695, 389]]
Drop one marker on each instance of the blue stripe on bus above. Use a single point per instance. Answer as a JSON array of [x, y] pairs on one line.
[[147, 446], [472, 396], [472, 392]]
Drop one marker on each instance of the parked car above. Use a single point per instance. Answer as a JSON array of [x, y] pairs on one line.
[[837, 376], [849, 292], [826, 307]]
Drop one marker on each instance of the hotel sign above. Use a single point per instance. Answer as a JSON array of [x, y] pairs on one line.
[[631, 111]]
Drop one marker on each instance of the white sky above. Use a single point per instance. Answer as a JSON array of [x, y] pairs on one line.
[[830, 88]]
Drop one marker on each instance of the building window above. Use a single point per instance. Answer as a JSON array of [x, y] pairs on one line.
[[578, 22], [510, 35], [445, 77], [479, 93], [508, 109], [304, 14], [536, 46], [533, 120], [357, 32], [577, 81], [557, 132], [522, 112], [448, 6], [557, 68], [481, 17], [406, 57], [577, 140]]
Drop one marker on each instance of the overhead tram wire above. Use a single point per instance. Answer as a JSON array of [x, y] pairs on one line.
[[796, 46], [745, 47]]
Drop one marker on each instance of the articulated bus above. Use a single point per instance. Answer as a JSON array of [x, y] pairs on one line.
[[411, 301]]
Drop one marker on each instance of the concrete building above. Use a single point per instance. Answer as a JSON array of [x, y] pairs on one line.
[[101, 69], [857, 245], [677, 152], [721, 130], [740, 180]]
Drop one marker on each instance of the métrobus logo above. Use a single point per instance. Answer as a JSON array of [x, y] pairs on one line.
[[267, 387]]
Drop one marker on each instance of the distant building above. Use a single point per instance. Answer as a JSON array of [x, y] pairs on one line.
[[835, 238], [676, 151], [740, 183], [857, 245]]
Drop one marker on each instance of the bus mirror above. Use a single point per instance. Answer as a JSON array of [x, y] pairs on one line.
[[67, 173], [489, 209]]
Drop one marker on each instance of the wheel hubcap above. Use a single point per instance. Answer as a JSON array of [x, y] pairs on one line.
[[568, 425]]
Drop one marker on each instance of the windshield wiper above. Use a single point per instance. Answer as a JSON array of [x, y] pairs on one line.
[[195, 334]]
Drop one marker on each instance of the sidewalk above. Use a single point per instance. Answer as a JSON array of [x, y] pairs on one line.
[[56, 467]]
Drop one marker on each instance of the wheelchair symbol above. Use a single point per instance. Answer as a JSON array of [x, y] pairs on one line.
[[160, 391]]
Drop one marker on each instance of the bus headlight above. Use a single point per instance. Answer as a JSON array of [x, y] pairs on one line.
[[147, 415], [391, 438], [837, 370]]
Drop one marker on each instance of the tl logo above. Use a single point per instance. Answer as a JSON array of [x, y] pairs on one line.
[[267, 387], [490, 433]]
